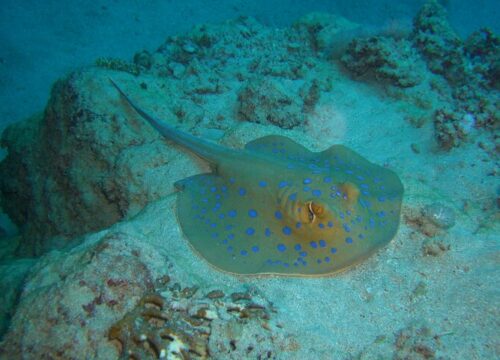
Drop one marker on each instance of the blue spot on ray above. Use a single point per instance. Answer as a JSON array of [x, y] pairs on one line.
[[282, 184]]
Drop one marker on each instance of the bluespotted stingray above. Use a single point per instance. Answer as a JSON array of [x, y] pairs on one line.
[[275, 207]]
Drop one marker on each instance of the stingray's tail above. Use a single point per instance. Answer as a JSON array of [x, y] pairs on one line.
[[166, 130], [200, 147]]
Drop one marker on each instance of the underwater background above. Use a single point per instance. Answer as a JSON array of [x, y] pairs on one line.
[[301, 242]]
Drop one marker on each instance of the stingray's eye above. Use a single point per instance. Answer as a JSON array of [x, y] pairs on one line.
[[314, 210], [317, 209], [311, 214]]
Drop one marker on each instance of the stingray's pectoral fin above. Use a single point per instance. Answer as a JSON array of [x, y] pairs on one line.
[[182, 184]]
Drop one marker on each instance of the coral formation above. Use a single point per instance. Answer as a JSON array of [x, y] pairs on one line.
[[469, 70], [470, 67], [385, 58], [143, 59], [324, 30], [118, 65], [437, 41], [483, 50], [115, 297], [151, 331], [430, 220], [434, 247], [414, 341], [170, 323], [440, 215], [267, 101]]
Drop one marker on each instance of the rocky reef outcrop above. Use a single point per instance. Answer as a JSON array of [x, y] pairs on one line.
[[79, 167], [114, 297], [432, 62]]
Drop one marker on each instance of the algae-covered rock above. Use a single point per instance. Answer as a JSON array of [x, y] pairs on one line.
[[440, 44], [325, 30], [385, 58], [268, 101], [441, 215], [460, 92], [483, 48], [12, 274], [415, 341], [447, 129], [118, 65], [80, 167], [117, 295], [70, 298]]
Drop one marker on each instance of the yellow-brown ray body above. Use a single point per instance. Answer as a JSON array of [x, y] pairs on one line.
[[277, 208]]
